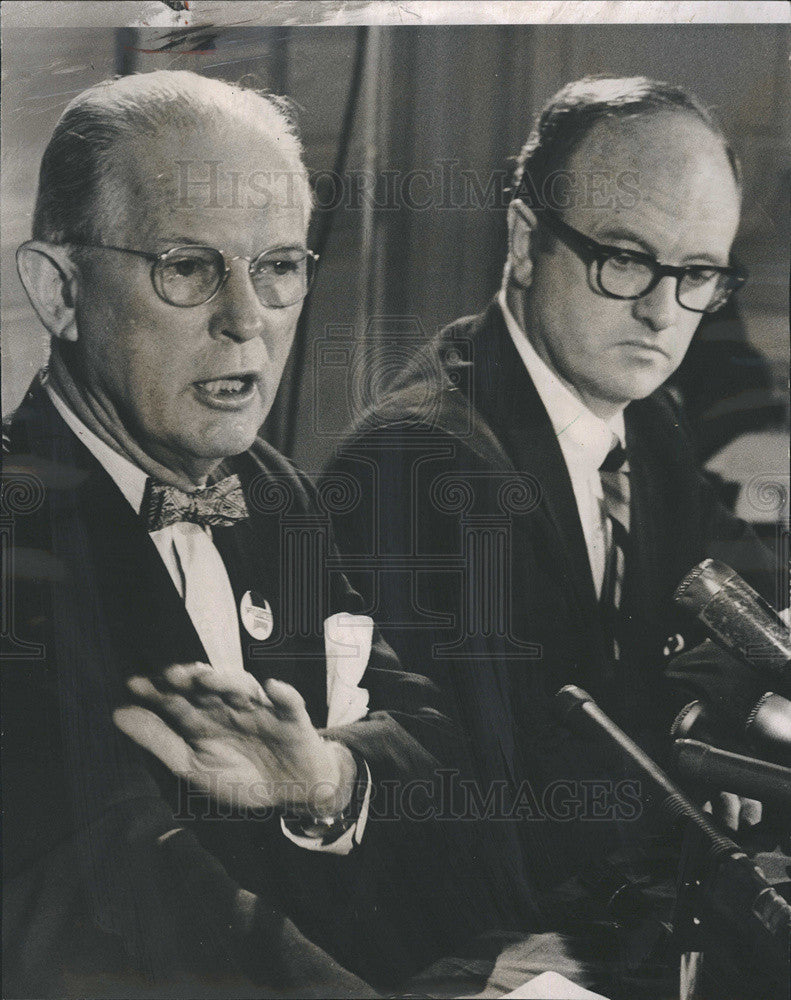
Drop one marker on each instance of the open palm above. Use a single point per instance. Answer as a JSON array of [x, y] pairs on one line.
[[246, 746]]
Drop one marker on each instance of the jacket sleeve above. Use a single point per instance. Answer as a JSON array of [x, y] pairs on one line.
[[108, 890], [395, 524], [406, 733]]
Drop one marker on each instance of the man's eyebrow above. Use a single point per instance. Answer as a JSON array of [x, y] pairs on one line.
[[168, 242], [295, 247], [607, 235], [704, 257], [178, 241]]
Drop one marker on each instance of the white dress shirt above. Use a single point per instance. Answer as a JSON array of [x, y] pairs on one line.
[[585, 441], [201, 579]]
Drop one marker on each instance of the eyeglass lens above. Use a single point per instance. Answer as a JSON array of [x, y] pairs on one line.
[[701, 290], [189, 276]]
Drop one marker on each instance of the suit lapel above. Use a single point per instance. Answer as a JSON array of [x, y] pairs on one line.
[[146, 624], [96, 532], [508, 399], [264, 556], [667, 530]]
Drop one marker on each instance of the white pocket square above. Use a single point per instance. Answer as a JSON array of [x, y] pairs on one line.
[[347, 647]]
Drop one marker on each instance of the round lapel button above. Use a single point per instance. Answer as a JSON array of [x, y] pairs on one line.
[[256, 615]]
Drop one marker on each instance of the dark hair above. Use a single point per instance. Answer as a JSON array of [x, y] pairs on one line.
[[572, 112], [72, 200]]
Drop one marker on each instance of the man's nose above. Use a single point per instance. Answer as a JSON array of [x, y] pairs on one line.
[[238, 314], [659, 308]]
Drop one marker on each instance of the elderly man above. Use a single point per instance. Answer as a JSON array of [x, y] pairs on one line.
[[173, 581], [540, 480]]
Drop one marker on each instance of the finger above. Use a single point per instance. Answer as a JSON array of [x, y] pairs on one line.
[[202, 686], [187, 719], [149, 731], [287, 702], [145, 689], [182, 677], [254, 695], [751, 812], [726, 809], [241, 691], [257, 693]]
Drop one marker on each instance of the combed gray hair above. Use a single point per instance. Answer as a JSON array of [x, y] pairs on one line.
[[73, 197]]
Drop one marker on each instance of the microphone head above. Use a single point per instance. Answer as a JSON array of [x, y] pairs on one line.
[[569, 698], [769, 726], [690, 758], [726, 686], [739, 619], [702, 583], [688, 721], [698, 721]]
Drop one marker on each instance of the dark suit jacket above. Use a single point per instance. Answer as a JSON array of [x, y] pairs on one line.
[[95, 903], [470, 551]]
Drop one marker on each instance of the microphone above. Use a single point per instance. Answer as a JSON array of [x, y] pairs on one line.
[[579, 712], [737, 890], [738, 618], [766, 726], [732, 772], [769, 724]]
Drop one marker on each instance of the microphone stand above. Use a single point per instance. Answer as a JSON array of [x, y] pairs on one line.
[[730, 881]]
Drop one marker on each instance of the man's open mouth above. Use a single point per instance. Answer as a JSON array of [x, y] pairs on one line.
[[232, 387]]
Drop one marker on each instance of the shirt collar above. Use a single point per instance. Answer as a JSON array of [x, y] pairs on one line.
[[129, 479], [584, 438]]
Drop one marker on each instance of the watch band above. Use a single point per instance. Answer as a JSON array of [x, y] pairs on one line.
[[328, 829]]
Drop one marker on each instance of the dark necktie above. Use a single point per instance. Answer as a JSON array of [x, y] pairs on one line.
[[614, 472], [219, 505]]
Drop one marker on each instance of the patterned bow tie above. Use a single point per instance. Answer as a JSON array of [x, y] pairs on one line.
[[220, 505]]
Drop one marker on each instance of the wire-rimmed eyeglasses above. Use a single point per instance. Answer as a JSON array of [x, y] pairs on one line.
[[191, 275]]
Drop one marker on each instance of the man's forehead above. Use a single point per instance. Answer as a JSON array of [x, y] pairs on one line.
[[665, 177], [227, 174], [659, 148]]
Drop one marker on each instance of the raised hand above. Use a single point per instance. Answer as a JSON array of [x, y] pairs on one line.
[[247, 746]]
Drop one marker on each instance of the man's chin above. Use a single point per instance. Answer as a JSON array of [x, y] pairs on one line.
[[641, 383], [230, 435], [226, 446], [608, 400], [217, 444]]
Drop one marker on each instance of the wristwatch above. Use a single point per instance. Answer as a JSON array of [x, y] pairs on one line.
[[328, 829]]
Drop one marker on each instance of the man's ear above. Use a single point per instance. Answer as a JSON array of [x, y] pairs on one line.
[[522, 224], [50, 280]]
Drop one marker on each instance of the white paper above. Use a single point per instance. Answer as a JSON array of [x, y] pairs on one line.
[[552, 986], [347, 645]]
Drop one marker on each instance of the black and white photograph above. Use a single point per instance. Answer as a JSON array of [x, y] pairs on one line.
[[395, 500]]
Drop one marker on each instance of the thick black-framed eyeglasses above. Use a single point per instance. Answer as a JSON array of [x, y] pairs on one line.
[[191, 275], [630, 274]]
